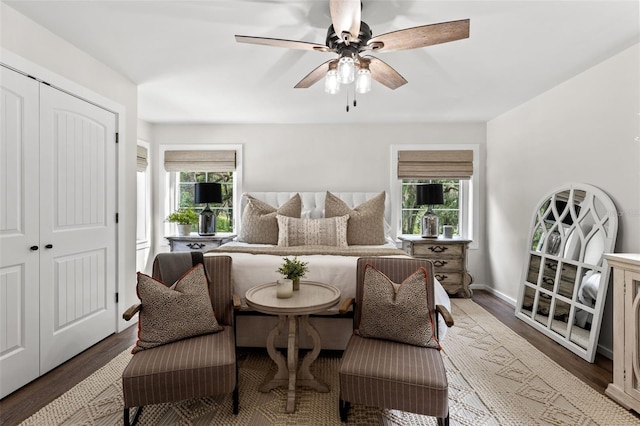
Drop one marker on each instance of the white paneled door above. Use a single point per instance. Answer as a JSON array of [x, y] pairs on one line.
[[57, 228], [19, 232], [77, 225]]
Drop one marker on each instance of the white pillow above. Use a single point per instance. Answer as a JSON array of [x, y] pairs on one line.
[[312, 232]]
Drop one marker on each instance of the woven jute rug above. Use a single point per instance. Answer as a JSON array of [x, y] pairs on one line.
[[495, 378]]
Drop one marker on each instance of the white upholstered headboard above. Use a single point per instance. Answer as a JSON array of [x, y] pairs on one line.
[[313, 202]]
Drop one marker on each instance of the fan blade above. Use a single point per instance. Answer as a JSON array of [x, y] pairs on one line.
[[345, 16], [425, 35], [277, 42], [383, 73], [316, 75]]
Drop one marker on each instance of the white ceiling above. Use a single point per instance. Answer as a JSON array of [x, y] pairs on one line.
[[188, 67]]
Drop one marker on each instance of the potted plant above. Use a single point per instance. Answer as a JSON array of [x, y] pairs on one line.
[[184, 218], [293, 269]]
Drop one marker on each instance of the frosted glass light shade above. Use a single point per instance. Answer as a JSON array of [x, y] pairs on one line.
[[331, 84], [363, 80], [346, 70]]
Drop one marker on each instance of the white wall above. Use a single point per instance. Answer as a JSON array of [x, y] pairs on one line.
[[326, 157], [37, 45], [584, 130]]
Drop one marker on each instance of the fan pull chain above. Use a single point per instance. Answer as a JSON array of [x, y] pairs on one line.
[[347, 100]]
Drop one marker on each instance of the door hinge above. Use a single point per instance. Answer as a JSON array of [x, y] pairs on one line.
[[117, 217], [117, 297], [117, 137]]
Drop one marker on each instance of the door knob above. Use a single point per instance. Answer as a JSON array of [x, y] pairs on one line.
[[34, 248]]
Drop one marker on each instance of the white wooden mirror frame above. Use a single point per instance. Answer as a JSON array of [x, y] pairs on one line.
[[584, 221]]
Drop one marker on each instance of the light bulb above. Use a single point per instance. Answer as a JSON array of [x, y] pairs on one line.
[[363, 80], [331, 84], [346, 70]]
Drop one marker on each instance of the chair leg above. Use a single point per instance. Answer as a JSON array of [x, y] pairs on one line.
[[135, 416], [443, 421], [236, 400], [343, 409]]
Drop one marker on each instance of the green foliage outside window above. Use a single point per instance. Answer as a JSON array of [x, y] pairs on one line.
[[224, 210], [448, 213]]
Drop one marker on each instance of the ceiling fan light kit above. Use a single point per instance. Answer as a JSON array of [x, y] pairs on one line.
[[349, 37]]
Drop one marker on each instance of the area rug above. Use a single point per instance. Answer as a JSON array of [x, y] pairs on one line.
[[495, 378]]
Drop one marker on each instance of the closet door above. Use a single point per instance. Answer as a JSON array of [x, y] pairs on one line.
[[77, 226], [19, 235]]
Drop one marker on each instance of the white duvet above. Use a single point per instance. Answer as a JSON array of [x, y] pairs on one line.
[[250, 270]]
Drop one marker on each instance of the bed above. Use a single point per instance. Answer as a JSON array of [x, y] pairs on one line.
[[255, 260]]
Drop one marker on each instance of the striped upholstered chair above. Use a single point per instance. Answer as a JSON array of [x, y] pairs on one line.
[[194, 367], [388, 374]]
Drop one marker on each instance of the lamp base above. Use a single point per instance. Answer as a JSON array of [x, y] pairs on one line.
[[207, 222], [430, 225]]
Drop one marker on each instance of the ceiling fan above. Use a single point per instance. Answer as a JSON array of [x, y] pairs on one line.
[[351, 38]]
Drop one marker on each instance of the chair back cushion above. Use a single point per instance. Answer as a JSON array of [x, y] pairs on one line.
[[173, 313], [397, 311]]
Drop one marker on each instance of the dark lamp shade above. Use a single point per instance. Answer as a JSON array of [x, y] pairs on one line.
[[429, 194], [208, 193]]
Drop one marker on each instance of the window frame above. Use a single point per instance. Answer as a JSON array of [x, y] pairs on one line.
[[167, 181], [468, 195], [146, 242]]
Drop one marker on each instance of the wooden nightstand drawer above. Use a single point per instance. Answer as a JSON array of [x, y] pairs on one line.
[[430, 250], [195, 242], [449, 278], [443, 265]]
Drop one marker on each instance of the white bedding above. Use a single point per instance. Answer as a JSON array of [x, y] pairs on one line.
[[249, 270]]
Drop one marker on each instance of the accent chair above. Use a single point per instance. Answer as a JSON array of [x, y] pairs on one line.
[[194, 367], [390, 374]]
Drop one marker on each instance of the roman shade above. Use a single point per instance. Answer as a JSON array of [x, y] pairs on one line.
[[141, 158], [200, 161], [441, 164]]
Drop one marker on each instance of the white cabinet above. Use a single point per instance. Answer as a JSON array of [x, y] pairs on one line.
[[626, 331], [57, 227]]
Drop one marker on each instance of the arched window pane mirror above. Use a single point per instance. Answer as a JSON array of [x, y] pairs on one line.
[[565, 276]]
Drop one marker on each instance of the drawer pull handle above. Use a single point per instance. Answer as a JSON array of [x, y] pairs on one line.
[[441, 277], [439, 263], [438, 249], [33, 248], [195, 246]]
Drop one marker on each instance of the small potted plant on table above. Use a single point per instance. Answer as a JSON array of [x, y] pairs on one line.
[[293, 269], [184, 218]]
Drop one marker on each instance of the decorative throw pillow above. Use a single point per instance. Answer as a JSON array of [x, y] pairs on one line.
[[312, 232], [366, 221], [259, 223], [397, 312], [174, 313]]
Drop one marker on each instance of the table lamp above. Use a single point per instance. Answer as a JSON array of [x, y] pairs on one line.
[[207, 193], [430, 194]]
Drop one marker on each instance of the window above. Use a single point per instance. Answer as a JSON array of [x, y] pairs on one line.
[[449, 213], [182, 166], [185, 186], [450, 165], [143, 197]]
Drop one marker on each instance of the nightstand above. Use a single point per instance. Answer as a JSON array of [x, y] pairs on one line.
[[449, 257], [195, 242]]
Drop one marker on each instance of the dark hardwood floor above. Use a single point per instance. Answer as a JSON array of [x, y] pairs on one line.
[[29, 399]]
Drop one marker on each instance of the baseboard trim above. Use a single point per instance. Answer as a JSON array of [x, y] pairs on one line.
[[495, 292]]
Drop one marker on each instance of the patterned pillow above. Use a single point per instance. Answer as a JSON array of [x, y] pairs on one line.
[[259, 223], [174, 313], [366, 221], [312, 232], [397, 312]]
